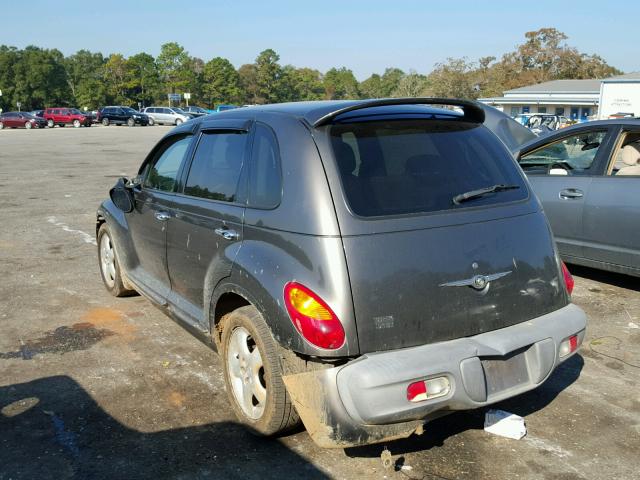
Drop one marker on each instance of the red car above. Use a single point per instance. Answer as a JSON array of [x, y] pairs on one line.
[[21, 120], [66, 116]]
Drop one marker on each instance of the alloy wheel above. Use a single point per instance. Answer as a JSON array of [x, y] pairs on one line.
[[246, 372], [107, 260]]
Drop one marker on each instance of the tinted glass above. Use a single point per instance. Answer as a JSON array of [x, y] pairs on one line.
[[572, 155], [265, 184], [407, 166], [129, 110], [162, 175], [216, 166]]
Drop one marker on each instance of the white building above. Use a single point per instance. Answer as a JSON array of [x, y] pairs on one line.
[[620, 94], [576, 99]]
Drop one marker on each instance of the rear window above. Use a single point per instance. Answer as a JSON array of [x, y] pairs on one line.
[[396, 167]]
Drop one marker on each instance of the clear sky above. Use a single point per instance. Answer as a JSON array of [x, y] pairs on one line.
[[366, 36]]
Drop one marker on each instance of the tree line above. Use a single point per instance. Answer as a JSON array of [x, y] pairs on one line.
[[39, 78]]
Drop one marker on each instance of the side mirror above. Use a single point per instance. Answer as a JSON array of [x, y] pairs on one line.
[[122, 196]]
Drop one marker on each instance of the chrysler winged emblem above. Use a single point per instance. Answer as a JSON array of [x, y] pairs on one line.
[[478, 282]]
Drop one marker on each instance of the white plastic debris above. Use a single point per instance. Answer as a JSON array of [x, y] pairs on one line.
[[633, 325], [504, 424]]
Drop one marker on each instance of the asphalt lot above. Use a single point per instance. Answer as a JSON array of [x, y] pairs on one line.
[[97, 387]]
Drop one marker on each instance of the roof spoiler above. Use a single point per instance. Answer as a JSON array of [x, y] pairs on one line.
[[472, 111]]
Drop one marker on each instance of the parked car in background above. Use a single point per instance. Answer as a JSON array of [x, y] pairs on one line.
[[588, 179], [224, 108], [195, 111], [543, 123], [21, 120], [424, 281], [166, 115], [65, 116], [119, 115], [621, 115], [91, 114]]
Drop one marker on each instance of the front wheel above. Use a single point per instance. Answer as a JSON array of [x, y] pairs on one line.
[[27, 125], [253, 374], [178, 122], [50, 123], [109, 265], [105, 122], [76, 123]]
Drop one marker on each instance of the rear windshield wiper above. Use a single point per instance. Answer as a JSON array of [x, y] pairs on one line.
[[463, 197]]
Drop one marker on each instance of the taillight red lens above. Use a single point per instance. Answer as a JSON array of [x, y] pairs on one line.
[[312, 317], [568, 278]]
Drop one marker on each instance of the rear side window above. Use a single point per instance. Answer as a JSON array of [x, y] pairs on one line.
[[164, 171], [265, 182], [216, 166], [407, 166]]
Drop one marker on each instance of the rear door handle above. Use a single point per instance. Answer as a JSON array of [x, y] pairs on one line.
[[227, 234], [162, 216], [571, 193]]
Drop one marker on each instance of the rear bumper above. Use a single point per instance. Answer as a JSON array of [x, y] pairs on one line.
[[365, 401]]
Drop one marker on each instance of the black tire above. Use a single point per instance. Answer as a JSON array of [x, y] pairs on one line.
[[28, 125], [105, 122], [115, 286], [50, 124], [279, 414], [131, 122], [151, 121], [178, 122]]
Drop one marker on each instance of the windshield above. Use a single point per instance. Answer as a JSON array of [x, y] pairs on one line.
[[129, 110], [179, 110], [408, 166], [75, 111]]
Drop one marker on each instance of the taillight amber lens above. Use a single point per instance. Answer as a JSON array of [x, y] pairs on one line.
[[312, 317]]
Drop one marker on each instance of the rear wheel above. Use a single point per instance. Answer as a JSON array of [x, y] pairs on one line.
[[76, 123], [178, 122], [131, 122], [105, 122], [253, 373], [109, 265], [27, 125], [50, 124], [151, 122]]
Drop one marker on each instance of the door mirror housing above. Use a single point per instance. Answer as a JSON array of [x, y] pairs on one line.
[[122, 195]]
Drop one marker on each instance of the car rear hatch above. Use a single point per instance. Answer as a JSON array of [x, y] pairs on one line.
[[426, 263]]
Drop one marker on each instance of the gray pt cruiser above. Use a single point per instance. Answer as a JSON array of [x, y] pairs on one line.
[[360, 266]]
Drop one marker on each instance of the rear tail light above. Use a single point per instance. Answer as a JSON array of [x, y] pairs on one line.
[[428, 389], [568, 278], [568, 345], [312, 317]]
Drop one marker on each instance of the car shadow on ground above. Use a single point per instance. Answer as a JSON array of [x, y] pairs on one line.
[[439, 430], [603, 276], [51, 428]]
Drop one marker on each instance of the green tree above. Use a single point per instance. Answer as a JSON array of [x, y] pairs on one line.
[[340, 83], [142, 78], [174, 66], [84, 71], [248, 80], [8, 58], [298, 84], [268, 73], [115, 76], [39, 79], [371, 87], [221, 82], [453, 78], [411, 85]]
